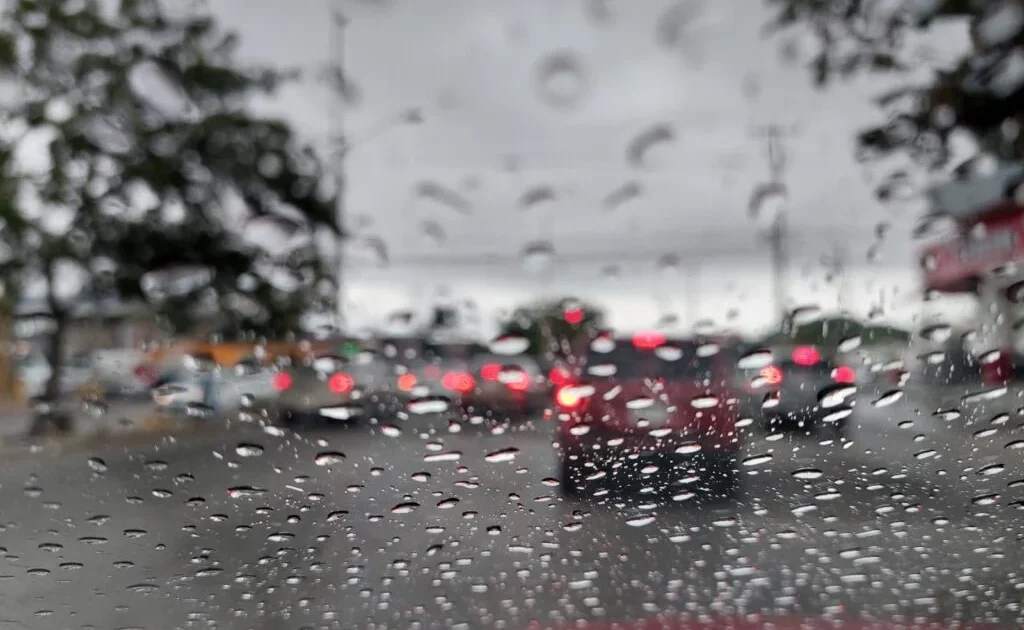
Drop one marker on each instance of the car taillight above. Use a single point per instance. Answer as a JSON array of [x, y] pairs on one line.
[[770, 375], [568, 398], [559, 376], [340, 383], [648, 340], [145, 373], [517, 381], [461, 382], [490, 372], [406, 382], [806, 356], [844, 374], [282, 381]]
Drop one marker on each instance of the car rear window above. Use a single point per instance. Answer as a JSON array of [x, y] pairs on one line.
[[672, 360]]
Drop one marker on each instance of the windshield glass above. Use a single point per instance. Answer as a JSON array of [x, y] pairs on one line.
[[512, 314]]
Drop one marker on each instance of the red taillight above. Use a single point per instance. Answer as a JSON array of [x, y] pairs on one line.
[[648, 340], [282, 381], [406, 382], [461, 382], [806, 356], [559, 376], [516, 380], [490, 372], [568, 398], [340, 383], [573, 316], [844, 374], [770, 375], [145, 373]]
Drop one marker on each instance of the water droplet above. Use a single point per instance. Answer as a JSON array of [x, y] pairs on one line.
[[807, 473], [537, 256], [509, 344], [704, 402], [757, 460], [239, 492], [644, 142], [248, 450], [329, 458], [97, 464], [450, 456], [51, 547], [502, 455], [888, 398], [641, 520], [405, 508], [561, 79], [448, 503], [622, 195], [755, 360]]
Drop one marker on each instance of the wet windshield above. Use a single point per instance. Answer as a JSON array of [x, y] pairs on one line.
[[512, 314]]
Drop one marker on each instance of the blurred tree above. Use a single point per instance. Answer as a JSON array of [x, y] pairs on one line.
[[143, 175], [552, 326], [979, 90]]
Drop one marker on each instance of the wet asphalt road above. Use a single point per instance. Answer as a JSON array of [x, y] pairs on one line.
[[248, 529]]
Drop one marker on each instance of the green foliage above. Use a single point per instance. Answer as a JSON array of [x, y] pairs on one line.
[[979, 93], [159, 164], [544, 323]]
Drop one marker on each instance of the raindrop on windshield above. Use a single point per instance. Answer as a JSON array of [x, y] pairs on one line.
[[646, 141], [537, 256], [561, 80], [444, 196]]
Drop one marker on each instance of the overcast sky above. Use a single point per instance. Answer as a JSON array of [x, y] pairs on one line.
[[491, 134]]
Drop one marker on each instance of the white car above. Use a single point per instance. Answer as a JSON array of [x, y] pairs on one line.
[[222, 390]]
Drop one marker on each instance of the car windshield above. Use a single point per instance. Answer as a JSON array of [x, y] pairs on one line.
[[512, 314]]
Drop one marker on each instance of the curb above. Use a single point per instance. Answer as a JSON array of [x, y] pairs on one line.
[[146, 431]]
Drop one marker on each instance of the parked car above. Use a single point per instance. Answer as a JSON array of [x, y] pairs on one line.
[[216, 389], [648, 409]]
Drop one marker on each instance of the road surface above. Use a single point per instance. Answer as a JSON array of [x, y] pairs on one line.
[[372, 528]]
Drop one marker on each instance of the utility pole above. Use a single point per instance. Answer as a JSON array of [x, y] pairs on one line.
[[774, 136], [339, 23], [835, 263]]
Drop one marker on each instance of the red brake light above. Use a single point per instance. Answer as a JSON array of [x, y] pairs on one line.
[[406, 382], [458, 382], [518, 381], [844, 374], [568, 398], [806, 356], [559, 376], [573, 316], [340, 383], [648, 340], [771, 375], [282, 381], [490, 372]]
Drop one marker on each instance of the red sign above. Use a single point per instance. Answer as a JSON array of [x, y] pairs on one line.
[[953, 265]]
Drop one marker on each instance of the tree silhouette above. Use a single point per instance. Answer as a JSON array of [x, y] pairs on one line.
[[154, 174]]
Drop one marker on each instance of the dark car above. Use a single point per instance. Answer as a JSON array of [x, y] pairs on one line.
[[651, 409], [331, 389], [798, 388]]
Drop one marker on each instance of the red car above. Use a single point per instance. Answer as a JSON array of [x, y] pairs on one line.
[[651, 410]]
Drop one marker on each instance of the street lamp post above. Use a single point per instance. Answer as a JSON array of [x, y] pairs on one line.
[[343, 146]]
